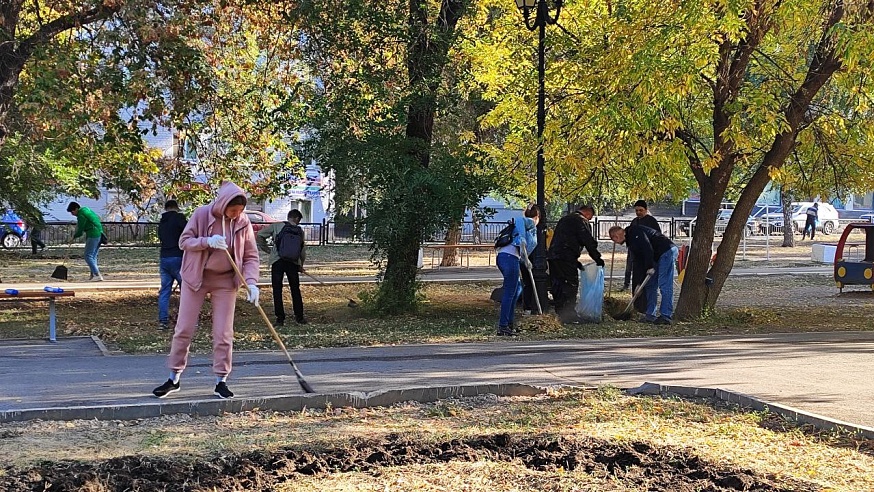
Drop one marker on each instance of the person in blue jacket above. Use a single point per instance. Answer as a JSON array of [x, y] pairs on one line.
[[508, 259]]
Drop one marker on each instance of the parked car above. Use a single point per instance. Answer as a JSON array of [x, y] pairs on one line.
[[865, 218], [259, 219], [721, 224], [13, 230], [827, 221]]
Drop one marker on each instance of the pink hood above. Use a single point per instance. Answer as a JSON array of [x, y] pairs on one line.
[[209, 220]]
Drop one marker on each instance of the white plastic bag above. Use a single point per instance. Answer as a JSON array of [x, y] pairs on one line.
[[590, 307]]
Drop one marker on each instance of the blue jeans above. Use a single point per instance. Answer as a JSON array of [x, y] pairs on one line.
[[662, 281], [509, 267], [169, 272], [92, 245]]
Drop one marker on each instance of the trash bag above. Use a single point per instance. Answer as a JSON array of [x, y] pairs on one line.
[[590, 307]]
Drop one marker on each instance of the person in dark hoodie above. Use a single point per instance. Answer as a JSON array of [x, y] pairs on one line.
[[644, 218], [655, 254], [169, 230], [572, 233]]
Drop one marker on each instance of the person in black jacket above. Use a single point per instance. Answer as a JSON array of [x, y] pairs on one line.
[[169, 229], [643, 217], [572, 233], [656, 254]]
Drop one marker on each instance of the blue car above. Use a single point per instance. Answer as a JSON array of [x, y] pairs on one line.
[[13, 231]]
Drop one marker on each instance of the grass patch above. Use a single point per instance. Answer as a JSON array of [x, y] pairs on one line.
[[718, 434], [127, 321]]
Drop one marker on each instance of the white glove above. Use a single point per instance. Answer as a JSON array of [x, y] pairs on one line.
[[650, 271], [253, 294], [216, 242]]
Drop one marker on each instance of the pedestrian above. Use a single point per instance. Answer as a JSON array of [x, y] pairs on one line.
[[169, 231], [508, 260], [214, 230], [810, 223], [529, 305], [656, 255], [88, 223], [572, 233], [287, 256], [35, 233], [642, 217]]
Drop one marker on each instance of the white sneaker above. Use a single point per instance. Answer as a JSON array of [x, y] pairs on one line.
[[98, 278]]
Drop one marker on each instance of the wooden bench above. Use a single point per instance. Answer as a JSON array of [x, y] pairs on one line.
[[40, 295], [464, 250]]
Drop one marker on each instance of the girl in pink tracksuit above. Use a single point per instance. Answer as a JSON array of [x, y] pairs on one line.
[[206, 269]]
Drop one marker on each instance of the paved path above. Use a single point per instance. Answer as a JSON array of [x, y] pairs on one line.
[[439, 275], [824, 373]]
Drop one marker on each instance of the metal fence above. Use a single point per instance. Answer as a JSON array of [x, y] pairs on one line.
[[144, 234]]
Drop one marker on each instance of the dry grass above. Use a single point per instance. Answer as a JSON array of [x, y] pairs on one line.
[[719, 435]]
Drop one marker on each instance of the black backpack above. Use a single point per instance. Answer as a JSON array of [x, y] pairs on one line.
[[289, 242], [507, 234]]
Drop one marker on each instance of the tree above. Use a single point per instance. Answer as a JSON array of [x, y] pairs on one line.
[[657, 98], [382, 75]]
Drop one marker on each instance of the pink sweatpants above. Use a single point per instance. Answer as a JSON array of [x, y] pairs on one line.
[[223, 299]]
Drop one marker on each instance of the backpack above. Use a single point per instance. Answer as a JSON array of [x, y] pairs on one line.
[[507, 234], [289, 242]]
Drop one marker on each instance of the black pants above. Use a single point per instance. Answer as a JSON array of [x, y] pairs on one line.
[[36, 240], [629, 267], [810, 224], [528, 302], [565, 279], [280, 269]]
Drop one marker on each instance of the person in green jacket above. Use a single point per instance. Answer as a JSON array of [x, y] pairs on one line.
[[88, 223], [287, 255]]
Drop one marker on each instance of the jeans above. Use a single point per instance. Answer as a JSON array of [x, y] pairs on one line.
[[169, 268], [92, 245], [509, 267], [662, 281], [284, 268], [809, 225]]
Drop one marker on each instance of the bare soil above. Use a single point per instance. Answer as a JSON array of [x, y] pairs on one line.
[[636, 464]]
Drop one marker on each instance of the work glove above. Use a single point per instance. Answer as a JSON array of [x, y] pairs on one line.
[[650, 271], [599, 262], [253, 295], [216, 242]]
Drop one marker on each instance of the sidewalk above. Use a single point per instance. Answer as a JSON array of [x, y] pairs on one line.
[[825, 373], [474, 274]]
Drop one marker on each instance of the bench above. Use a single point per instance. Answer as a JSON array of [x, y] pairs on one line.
[[464, 250], [30, 296]]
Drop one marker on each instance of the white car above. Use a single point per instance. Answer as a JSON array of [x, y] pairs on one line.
[[827, 218]]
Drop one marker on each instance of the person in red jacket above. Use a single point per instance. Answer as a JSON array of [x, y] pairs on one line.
[[214, 230]]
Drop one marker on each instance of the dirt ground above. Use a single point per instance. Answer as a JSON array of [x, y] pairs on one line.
[[635, 464]]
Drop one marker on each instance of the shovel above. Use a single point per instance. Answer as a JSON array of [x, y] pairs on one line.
[[531, 277], [626, 315]]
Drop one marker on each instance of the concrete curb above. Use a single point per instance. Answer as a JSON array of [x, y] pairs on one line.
[[282, 403], [746, 401]]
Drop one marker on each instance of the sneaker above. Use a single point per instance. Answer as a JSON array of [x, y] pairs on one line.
[[301, 320], [647, 319], [98, 278], [506, 331], [280, 322], [661, 320], [623, 288], [164, 325], [222, 391], [166, 388]]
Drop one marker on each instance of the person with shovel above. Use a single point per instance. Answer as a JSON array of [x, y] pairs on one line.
[[655, 254], [572, 233], [215, 231], [509, 258], [287, 255], [88, 223]]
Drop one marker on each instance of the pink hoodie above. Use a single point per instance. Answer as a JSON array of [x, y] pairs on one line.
[[209, 220]]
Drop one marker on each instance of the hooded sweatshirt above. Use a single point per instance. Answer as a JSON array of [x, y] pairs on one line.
[[210, 220]]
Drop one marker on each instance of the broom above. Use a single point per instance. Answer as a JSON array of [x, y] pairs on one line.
[[626, 314], [303, 384]]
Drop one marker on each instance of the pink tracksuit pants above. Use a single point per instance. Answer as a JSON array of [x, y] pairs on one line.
[[223, 296]]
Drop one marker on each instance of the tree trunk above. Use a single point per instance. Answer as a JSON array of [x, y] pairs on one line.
[[397, 291], [453, 237], [788, 226], [695, 289]]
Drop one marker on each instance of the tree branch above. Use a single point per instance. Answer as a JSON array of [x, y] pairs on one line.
[[61, 24]]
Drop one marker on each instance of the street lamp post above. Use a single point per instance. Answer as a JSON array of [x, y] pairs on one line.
[[541, 10]]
